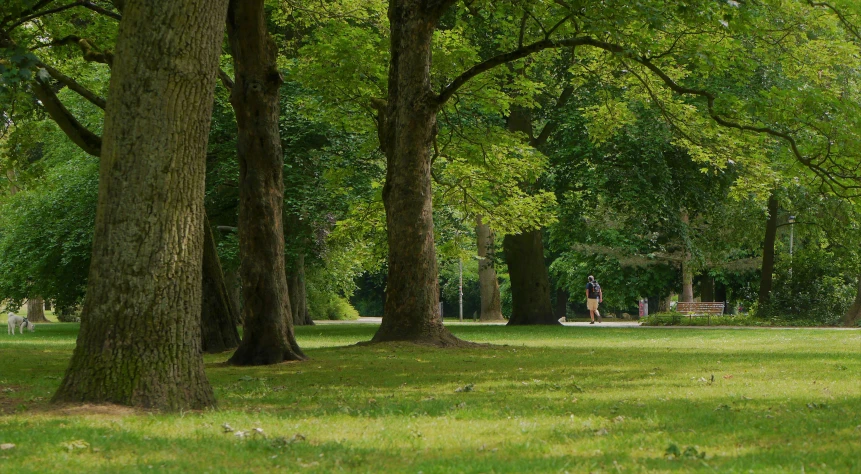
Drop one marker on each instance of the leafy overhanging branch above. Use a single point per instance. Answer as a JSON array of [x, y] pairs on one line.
[[850, 27], [836, 181], [34, 12]]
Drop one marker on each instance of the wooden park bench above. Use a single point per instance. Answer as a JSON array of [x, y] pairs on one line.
[[701, 309]]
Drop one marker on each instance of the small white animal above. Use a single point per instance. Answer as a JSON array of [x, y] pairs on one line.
[[16, 321]]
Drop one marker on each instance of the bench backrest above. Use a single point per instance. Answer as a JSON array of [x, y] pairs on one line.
[[715, 307]]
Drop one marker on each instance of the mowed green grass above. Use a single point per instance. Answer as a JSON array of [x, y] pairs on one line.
[[544, 399]]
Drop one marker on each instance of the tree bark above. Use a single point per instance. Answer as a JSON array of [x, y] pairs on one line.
[[36, 310], [218, 320], [530, 284], [298, 295], [491, 303], [268, 324], [766, 277], [853, 314], [139, 342], [234, 288], [407, 124]]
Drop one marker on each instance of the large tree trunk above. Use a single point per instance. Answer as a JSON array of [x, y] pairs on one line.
[[530, 284], [298, 295], [218, 320], [765, 279], [853, 314], [491, 303], [407, 124], [687, 294], [524, 253], [267, 320], [36, 310], [139, 342]]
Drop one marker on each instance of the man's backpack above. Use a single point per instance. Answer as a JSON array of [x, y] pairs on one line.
[[596, 289]]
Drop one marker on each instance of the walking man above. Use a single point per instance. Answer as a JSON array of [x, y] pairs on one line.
[[594, 295]]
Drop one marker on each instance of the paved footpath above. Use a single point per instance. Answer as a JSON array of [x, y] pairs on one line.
[[606, 324]]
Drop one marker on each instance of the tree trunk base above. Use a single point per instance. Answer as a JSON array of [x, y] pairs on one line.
[[436, 336], [530, 282], [492, 318], [36, 311], [261, 354]]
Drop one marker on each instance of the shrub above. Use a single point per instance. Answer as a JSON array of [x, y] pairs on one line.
[[326, 305]]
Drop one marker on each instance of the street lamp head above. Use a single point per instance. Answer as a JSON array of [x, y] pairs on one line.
[[792, 219]]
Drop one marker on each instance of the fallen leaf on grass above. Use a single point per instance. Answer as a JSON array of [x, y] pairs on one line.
[[728, 376], [6, 446]]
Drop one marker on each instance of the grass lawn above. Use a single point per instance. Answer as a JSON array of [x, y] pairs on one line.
[[542, 399]]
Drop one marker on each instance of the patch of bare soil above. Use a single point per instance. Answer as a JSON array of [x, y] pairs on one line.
[[88, 409]]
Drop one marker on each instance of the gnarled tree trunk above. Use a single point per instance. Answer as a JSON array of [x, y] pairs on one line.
[[217, 318], [267, 319], [765, 279], [853, 314], [36, 310], [491, 303], [407, 123], [139, 342], [530, 284]]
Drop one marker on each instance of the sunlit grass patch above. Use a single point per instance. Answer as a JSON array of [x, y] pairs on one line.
[[549, 399]]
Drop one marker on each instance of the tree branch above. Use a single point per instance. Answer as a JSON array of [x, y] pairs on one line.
[[88, 49], [550, 126], [75, 86], [815, 164], [79, 134], [508, 57], [225, 79], [29, 11], [846, 23], [80, 3]]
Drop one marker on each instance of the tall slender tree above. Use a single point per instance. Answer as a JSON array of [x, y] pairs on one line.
[[767, 277], [267, 317]]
